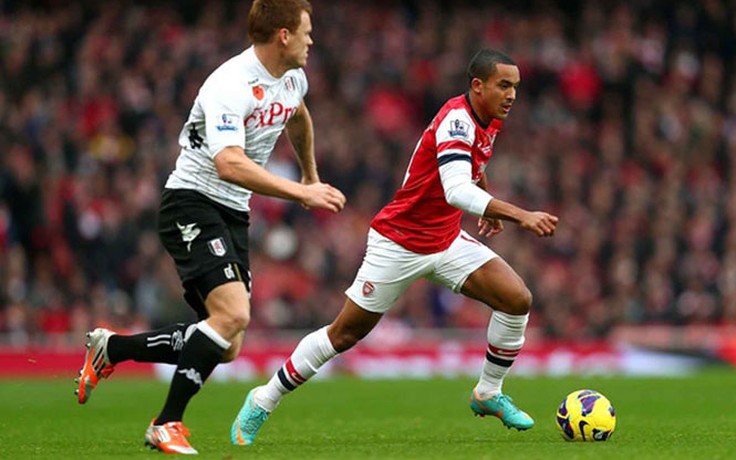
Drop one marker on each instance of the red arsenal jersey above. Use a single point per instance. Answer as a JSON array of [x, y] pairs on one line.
[[419, 217]]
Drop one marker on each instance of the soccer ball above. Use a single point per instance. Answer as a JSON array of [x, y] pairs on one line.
[[586, 415]]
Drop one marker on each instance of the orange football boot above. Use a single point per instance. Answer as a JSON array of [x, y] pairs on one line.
[[171, 438], [96, 364]]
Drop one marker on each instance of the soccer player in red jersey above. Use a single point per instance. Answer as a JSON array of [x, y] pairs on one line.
[[418, 235]]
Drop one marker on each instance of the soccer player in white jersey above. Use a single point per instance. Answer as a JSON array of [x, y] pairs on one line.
[[238, 115], [418, 235]]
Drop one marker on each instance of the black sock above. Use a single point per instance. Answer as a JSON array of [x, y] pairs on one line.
[[198, 359], [159, 346]]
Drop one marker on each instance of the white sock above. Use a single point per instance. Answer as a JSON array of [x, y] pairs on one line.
[[505, 339], [309, 355]]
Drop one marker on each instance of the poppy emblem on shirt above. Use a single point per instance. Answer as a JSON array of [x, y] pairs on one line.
[[368, 288], [258, 92]]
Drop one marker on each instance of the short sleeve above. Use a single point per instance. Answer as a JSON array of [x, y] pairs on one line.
[[455, 133], [225, 105]]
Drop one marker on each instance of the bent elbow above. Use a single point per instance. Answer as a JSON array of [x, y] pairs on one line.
[[225, 168]]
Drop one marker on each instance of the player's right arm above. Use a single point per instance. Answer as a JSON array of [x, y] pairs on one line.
[[234, 166], [226, 106], [538, 222]]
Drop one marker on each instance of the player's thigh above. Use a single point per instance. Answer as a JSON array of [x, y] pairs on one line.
[[226, 307], [456, 264], [229, 279], [386, 272], [351, 325], [229, 302], [497, 285], [208, 243]]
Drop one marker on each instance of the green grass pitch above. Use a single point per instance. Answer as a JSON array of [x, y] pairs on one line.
[[658, 418]]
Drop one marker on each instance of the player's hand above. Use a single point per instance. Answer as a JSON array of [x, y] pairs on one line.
[[539, 222], [323, 196], [488, 226]]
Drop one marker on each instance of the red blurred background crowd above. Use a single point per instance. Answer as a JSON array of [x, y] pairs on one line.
[[624, 127]]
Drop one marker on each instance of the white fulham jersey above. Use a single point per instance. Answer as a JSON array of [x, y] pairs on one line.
[[240, 104]]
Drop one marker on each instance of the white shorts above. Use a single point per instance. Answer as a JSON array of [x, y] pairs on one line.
[[388, 269]]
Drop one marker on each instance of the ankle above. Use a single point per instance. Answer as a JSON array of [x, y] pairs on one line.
[[265, 399], [485, 391]]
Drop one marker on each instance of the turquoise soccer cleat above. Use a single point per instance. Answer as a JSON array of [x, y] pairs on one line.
[[249, 420], [501, 406]]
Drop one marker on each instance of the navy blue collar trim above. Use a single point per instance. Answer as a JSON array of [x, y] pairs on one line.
[[475, 115]]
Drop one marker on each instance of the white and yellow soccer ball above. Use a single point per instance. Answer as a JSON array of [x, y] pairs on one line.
[[586, 415]]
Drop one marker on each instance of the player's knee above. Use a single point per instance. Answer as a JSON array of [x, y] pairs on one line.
[[232, 321], [240, 319], [345, 339], [520, 302]]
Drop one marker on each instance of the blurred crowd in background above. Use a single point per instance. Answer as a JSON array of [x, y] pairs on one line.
[[624, 126]]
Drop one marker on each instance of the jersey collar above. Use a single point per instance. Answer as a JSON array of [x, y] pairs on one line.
[[263, 74], [475, 115], [496, 124]]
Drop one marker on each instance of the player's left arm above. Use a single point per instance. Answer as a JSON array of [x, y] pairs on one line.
[[300, 132]]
